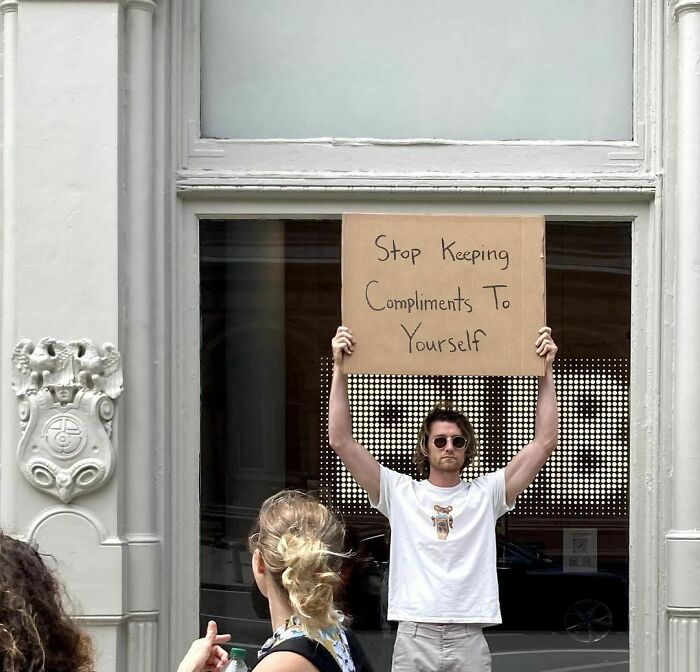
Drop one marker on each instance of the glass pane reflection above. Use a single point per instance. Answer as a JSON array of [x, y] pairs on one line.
[[270, 301], [468, 70]]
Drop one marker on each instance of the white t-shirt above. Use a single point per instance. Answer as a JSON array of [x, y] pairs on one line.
[[442, 566]]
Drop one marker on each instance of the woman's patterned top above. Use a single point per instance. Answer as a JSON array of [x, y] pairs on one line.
[[332, 638]]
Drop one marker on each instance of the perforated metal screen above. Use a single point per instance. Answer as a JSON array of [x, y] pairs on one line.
[[587, 476]]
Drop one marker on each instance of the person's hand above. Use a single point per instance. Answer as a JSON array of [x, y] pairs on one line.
[[205, 654], [545, 345], [342, 344]]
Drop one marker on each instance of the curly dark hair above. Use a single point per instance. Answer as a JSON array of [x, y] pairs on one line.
[[36, 634], [443, 411]]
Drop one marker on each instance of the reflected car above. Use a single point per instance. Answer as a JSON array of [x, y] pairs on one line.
[[536, 593]]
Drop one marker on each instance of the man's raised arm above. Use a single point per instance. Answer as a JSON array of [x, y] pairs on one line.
[[358, 460], [524, 467]]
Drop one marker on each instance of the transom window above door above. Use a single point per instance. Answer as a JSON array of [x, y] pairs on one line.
[[410, 69]]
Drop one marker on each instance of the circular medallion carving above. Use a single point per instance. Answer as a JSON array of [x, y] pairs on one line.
[[65, 436]]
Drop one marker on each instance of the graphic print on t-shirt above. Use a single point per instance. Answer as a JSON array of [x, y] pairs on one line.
[[442, 521]]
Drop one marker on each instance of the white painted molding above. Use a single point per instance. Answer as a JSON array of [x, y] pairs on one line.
[[686, 6], [412, 179], [684, 613], [683, 535], [146, 5], [142, 645], [47, 514], [194, 189], [332, 141], [140, 428], [8, 314], [646, 493], [85, 2], [137, 262], [686, 495], [683, 540], [184, 431], [683, 561], [136, 617], [144, 565], [684, 643], [121, 2]]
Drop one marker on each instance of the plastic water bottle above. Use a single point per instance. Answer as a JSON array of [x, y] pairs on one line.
[[236, 661]]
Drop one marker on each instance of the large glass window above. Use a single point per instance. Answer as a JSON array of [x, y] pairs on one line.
[[270, 302], [396, 69]]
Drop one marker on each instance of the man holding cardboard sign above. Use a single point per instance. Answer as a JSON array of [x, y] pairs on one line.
[[442, 581], [444, 294]]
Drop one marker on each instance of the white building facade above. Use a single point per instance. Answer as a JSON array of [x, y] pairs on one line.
[[126, 124]]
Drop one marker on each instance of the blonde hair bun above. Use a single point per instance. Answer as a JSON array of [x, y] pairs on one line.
[[301, 543]]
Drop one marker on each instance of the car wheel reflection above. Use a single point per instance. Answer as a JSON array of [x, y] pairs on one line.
[[588, 620]]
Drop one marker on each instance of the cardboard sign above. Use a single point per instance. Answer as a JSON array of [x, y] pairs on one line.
[[444, 294]]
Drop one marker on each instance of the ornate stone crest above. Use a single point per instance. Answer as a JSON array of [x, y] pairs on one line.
[[65, 393]]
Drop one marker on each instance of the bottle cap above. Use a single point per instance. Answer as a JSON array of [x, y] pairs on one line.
[[236, 654]]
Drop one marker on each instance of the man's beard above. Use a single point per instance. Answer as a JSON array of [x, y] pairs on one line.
[[447, 465]]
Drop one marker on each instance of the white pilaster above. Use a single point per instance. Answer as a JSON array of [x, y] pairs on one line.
[[8, 404], [683, 540], [142, 655], [79, 261], [684, 640], [138, 268]]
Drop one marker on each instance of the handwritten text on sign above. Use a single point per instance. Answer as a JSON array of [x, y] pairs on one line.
[[444, 294]]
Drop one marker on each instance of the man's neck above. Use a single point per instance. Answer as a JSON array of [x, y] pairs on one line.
[[443, 479]]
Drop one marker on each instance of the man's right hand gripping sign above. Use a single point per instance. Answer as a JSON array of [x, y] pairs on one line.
[[443, 587]]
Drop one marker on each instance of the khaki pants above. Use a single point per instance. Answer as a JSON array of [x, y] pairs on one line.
[[429, 647]]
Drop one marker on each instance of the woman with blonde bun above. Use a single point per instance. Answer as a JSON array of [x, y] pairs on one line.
[[297, 553]]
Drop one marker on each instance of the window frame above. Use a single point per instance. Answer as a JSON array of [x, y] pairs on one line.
[[647, 464], [335, 161]]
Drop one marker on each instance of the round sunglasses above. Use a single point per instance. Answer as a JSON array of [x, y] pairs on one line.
[[458, 442]]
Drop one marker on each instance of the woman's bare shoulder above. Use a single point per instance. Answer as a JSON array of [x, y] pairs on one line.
[[285, 661]]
